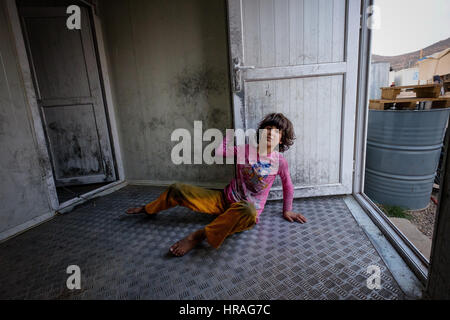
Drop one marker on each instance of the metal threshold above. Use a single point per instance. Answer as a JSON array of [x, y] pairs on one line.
[[102, 191]]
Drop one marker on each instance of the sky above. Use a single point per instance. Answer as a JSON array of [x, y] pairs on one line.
[[410, 25]]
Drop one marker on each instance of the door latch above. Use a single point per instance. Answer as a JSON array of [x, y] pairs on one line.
[[237, 73]]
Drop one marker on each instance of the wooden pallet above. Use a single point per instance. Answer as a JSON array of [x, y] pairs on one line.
[[422, 91], [409, 103]]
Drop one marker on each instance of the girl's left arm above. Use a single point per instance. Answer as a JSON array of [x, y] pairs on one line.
[[288, 193], [288, 187]]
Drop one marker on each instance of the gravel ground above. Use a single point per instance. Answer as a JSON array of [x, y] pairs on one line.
[[424, 219]]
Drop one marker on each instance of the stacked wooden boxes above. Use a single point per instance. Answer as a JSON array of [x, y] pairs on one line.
[[391, 97]]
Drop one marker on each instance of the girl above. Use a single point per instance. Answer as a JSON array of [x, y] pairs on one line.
[[240, 204]]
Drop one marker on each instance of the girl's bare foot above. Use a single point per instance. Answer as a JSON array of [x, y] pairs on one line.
[[136, 210], [182, 247]]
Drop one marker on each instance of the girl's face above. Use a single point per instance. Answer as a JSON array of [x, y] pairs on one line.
[[274, 136]]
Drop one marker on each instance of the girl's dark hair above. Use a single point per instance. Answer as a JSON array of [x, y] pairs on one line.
[[283, 124]]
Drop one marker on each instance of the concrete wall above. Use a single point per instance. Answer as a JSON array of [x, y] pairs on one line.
[[169, 64], [23, 193]]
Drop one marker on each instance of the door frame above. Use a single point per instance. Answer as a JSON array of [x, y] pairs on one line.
[[37, 124], [415, 260]]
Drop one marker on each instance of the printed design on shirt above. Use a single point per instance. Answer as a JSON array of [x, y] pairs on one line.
[[255, 174]]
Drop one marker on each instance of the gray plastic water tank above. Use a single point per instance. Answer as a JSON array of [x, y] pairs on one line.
[[403, 151]]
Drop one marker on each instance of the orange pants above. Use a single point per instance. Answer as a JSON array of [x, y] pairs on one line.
[[237, 217]]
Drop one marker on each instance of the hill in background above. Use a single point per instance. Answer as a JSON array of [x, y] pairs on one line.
[[409, 60]]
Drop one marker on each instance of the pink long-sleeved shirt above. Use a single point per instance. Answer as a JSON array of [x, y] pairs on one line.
[[255, 175]]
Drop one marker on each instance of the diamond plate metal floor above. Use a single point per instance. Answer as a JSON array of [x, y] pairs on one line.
[[126, 257]]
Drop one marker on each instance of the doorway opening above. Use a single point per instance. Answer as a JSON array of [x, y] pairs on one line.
[[408, 119], [69, 90]]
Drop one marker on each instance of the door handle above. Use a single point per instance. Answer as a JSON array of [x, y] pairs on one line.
[[237, 73], [245, 67]]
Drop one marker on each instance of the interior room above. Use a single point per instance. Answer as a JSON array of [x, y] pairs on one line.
[[93, 95]]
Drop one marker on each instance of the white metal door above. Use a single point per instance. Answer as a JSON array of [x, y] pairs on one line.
[[300, 57]]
